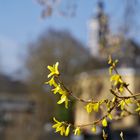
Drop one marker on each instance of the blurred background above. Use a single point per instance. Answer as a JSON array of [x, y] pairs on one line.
[[80, 35]]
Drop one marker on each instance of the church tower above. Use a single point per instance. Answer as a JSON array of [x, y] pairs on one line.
[[98, 31]]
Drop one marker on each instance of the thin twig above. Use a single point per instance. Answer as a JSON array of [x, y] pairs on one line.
[[124, 97]]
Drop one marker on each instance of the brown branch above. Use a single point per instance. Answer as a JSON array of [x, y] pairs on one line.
[[124, 97], [126, 87], [99, 120], [73, 96], [130, 113]]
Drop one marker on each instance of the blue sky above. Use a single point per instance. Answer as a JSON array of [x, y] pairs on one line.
[[20, 23]]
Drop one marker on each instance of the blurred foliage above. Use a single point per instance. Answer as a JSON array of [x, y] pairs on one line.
[[59, 46]]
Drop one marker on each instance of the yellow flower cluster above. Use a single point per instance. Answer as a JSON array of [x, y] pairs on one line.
[[117, 82], [64, 128], [54, 73], [92, 106], [117, 87], [116, 79], [124, 102], [61, 127]]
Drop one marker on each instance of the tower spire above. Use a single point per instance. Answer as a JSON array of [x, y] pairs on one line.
[[98, 30], [103, 25]]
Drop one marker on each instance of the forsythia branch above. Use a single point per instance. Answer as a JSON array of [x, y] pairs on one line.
[[118, 101]]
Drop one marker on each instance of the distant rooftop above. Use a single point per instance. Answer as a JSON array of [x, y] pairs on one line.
[[7, 85]]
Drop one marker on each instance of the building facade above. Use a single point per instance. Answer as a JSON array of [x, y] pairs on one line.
[[96, 84]]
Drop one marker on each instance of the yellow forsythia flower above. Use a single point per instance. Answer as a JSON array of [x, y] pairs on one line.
[[53, 70], [57, 89], [96, 107], [110, 116], [128, 101], [77, 131], [92, 106], [116, 78], [122, 104], [94, 129], [104, 122], [89, 107], [67, 130], [59, 126], [52, 82], [121, 88], [114, 99], [63, 99], [62, 130]]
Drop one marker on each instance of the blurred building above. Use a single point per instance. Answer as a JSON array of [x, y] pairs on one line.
[[96, 84], [17, 110]]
